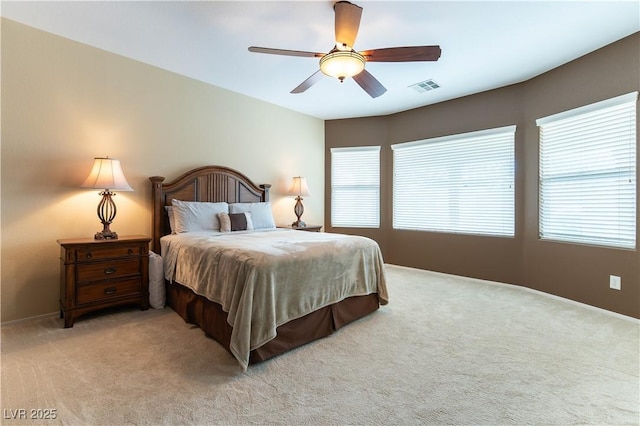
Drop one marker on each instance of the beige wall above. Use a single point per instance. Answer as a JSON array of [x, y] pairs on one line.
[[576, 272], [64, 103]]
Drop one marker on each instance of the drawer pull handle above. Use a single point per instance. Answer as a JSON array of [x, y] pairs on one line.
[[109, 290], [130, 251], [89, 255], [110, 271]]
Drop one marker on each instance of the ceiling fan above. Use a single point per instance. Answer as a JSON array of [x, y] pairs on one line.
[[344, 62]]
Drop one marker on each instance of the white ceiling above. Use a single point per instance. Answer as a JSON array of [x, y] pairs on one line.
[[485, 44]]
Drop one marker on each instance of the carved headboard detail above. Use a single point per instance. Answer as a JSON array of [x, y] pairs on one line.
[[206, 184]]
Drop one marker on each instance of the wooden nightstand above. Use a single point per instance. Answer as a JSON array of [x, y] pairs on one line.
[[95, 274], [309, 228]]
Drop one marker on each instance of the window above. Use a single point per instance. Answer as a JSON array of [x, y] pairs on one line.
[[355, 187], [461, 184], [587, 174]]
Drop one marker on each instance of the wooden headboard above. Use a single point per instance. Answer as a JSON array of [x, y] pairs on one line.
[[206, 184]]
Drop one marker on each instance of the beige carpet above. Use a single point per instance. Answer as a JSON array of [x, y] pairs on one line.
[[446, 350]]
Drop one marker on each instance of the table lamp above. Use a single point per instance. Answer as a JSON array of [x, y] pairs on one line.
[[106, 175], [299, 189]]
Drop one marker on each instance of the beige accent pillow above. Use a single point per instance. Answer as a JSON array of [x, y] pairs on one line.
[[225, 222]]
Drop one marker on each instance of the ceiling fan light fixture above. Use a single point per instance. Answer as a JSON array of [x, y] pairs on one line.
[[343, 61], [342, 64]]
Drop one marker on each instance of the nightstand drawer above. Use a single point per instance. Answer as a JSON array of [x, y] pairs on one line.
[[98, 253], [105, 270], [108, 290]]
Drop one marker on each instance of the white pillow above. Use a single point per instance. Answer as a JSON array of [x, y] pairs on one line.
[[261, 214], [197, 216]]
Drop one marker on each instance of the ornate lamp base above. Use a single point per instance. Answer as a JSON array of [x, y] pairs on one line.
[[298, 209], [106, 235], [106, 214]]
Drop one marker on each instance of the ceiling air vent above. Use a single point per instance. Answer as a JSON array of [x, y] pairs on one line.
[[425, 86]]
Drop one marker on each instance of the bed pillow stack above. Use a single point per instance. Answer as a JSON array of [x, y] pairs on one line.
[[190, 216]]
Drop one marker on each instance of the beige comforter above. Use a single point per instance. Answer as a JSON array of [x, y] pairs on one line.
[[264, 279]]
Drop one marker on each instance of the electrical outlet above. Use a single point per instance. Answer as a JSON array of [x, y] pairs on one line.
[[615, 282]]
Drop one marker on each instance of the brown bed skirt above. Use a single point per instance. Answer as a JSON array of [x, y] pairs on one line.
[[210, 317]]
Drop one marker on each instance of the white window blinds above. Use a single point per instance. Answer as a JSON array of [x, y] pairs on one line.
[[587, 174], [460, 184], [355, 187]]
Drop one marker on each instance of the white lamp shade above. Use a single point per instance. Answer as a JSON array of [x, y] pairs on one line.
[[106, 174], [299, 187]]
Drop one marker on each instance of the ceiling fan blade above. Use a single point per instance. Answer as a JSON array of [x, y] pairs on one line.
[[313, 79], [369, 83], [347, 22], [285, 52], [403, 54]]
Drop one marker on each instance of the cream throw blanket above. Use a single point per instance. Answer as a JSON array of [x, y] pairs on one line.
[[263, 279]]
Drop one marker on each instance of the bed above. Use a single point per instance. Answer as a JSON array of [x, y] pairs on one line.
[[257, 290]]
